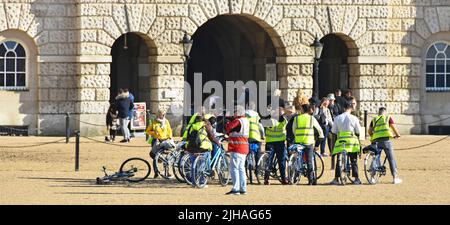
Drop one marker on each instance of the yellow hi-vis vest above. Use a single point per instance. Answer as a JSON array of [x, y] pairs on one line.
[[381, 128], [304, 132], [346, 140], [254, 128], [205, 142], [191, 121], [277, 132]]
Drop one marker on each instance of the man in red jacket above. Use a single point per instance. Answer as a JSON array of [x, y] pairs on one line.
[[238, 130]]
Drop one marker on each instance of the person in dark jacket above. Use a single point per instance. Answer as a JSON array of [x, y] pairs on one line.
[[111, 123], [124, 105]]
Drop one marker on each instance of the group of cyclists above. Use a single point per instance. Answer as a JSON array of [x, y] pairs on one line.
[[247, 130]]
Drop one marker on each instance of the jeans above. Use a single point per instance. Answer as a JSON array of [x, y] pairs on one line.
[[192, 157], [280, 151], [389, 151], [353, 163], [124, 126], [237, 172]]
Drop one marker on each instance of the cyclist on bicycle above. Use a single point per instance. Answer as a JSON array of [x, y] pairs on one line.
[[303, 128], [160, 134], [347, 128], [200, 139], [380, 130], [276, 141], [256, 134]]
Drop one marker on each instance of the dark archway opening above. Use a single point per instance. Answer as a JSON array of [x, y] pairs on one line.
[[130, 67], [231, 48], [333, 67]]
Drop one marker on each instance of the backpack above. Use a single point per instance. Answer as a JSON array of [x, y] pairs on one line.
[[321, 118], [193, 138]]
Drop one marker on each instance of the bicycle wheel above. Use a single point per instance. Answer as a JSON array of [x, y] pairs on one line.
[[223, 168], [341, 163], [261, 167], [274, 170], [318, 165], [140, 167], [293, 174], [370, 168], [162, 163], [176, 167], [186, 169], [250, 166], [200, 167]]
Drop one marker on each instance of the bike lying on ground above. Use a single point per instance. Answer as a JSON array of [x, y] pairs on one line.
[[373, 168], [297, 164], [131, 174]]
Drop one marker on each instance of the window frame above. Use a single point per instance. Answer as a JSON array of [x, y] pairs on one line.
[[16, 72], [434, 61]]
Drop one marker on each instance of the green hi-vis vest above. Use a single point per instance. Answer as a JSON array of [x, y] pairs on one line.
[[381, 128], [191, 121], [346, 140], [205, 142], [277, 132], [304, 132], [254, 128]]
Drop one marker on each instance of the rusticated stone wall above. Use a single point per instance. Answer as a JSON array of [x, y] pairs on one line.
[[73, 38]]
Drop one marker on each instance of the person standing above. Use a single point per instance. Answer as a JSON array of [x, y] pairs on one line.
[[131, 112], [326, 123], [331, 138], [346, 127], [303, 128], [238, 131], [276, 141], [124, 105], [380, 131], [256, 135], [111, 123], [339, 101]]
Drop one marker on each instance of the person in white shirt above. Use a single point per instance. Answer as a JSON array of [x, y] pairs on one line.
[[347, 127]]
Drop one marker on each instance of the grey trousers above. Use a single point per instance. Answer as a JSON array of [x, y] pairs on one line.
[[386, 145]]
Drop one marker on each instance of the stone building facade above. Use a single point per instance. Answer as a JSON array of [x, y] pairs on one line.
[[69, 47]]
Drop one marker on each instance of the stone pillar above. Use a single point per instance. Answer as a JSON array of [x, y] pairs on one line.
[[293, 76]]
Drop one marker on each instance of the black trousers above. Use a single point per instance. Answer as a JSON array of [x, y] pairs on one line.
[[353, 162]]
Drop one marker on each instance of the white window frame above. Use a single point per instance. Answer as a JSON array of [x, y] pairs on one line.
[[435, 73], [15, 72]]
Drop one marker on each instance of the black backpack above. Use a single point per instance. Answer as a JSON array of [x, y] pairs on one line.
[[193, 138], [321, 118]]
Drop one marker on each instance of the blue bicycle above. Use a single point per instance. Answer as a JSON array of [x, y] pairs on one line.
[[373, 168], [267, 162], [297, 164], [206, 167]]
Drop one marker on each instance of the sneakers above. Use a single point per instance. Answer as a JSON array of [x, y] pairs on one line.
[[242, 192], [233, 193], [266, 182], [325, 155], [357, 181], [284, 182], [125, 141], [397, 181], [334, 182]]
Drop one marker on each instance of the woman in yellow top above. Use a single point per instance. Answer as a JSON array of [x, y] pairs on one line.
[[159, 130]]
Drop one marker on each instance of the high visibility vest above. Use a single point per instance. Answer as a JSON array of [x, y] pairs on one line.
[[277, 132], [346, 140], [186, 129], [304, 132], [381, 128], [254, 128], [238, 141], [205, 142]]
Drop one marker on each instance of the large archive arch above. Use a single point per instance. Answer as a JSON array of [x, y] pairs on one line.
[[375, 48]]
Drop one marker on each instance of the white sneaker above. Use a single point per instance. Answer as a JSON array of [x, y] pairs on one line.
[[397, 181]]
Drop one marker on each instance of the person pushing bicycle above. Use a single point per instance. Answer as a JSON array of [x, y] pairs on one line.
[[303, 128], [347, 128], [380, 131]]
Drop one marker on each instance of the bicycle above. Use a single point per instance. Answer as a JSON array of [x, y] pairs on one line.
[[373, 168], [133, 169], [344, 171], [297, 164], [267, 162], [165, 159], [250, 163], [205, 167]]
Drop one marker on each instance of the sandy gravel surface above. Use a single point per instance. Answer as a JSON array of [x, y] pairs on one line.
[[45, 175]]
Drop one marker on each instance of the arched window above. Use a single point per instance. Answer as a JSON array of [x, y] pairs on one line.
[[12, 66], [438, 68]]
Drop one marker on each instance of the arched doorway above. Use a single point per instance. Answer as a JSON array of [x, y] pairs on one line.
[[333, 67], [130, 67], [232, 48]]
